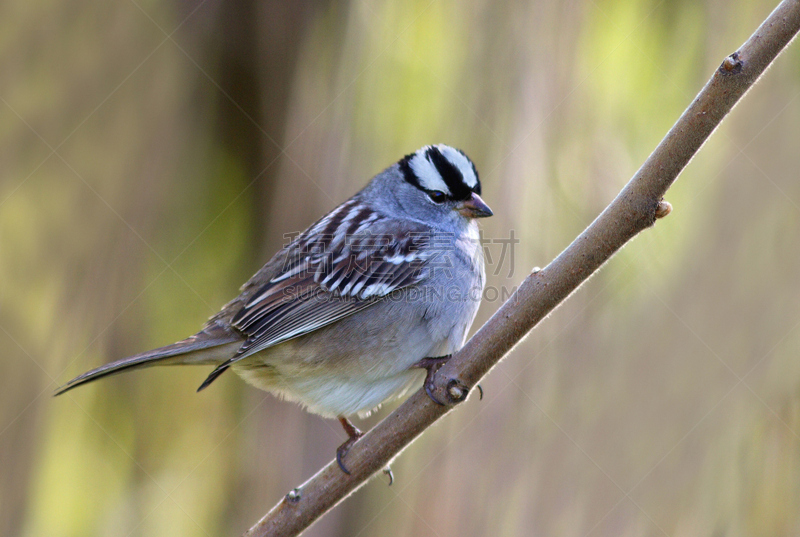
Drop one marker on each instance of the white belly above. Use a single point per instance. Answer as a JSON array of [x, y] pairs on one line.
[[331, 395]]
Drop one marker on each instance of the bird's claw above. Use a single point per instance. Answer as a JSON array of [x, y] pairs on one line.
[[388, 472], [341, 452], [432, 365]]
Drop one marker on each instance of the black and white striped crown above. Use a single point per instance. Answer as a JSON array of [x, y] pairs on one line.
[[441, 168]]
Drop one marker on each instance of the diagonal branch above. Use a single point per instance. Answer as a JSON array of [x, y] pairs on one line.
[[635, 209]]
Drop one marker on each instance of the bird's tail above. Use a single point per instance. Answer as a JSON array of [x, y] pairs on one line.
[[203, 348]]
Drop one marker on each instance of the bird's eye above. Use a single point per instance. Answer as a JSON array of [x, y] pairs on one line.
[[436, 196]]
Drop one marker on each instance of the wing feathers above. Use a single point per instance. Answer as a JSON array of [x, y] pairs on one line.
[[341, 265]]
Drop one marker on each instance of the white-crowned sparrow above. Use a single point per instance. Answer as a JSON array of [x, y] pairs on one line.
[[344, 317]]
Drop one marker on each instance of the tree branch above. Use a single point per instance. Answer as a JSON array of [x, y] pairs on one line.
[[635, 208]]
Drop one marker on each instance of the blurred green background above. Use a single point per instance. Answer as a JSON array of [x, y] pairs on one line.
[[153, 155]]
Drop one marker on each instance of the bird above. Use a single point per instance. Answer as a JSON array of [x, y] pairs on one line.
[[363, 305]]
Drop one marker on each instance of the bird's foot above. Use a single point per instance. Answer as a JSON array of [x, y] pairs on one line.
[[455, 391], [354, 434], [432, 365]]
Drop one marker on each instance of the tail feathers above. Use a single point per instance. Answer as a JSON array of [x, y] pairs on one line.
[[200, 349]]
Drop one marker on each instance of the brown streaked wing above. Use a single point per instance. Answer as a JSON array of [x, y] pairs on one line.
[[327, 287]]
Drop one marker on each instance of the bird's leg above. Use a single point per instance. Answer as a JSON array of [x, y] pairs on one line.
[[432, 365], [354, 434]]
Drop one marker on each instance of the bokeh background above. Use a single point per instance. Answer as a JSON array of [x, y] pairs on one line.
[[153, 154]]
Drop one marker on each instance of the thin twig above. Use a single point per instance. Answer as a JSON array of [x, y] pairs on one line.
[[635, 209]]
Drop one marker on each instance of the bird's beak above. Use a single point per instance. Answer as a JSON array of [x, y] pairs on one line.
[[474, 207]]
